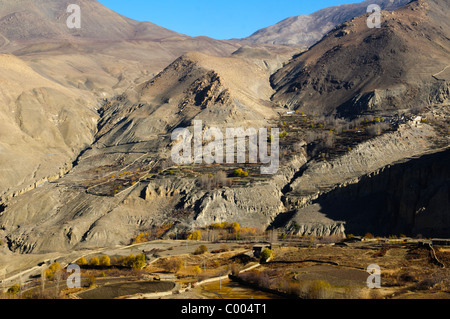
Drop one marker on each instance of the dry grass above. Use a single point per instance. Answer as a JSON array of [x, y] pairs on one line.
[[404, 269]]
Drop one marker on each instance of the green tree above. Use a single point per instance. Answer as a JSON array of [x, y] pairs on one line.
[[139, 262], [235, 227], [266, 254]]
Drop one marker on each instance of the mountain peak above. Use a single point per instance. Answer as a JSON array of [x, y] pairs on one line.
[[386, 68], [32, 21], [306, 30]]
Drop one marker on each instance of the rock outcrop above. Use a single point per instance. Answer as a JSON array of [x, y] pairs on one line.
[[389, 68]]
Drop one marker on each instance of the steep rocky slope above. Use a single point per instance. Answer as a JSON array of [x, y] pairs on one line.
[[112, 181], [406, 198], [124, 182], [107, 55], [347, 194], [45, 126], [390, 68], [305, 30], [54, 79]]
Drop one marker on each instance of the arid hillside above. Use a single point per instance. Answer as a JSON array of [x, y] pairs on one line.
[[355, 69], [306, 30], [86, 151]]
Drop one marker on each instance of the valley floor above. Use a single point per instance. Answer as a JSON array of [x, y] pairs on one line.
[[176, 270]]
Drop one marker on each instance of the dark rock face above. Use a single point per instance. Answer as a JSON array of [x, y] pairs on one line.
[[409, 198]]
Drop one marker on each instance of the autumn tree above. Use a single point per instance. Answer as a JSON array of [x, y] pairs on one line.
[[105, 261], [196, 235], [94, 261], [82, 261]]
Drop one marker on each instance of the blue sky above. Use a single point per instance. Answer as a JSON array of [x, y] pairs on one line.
[[217, 19]]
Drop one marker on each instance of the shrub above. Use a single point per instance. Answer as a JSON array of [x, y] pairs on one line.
[[197, 270], [240, 173], [201, 250], [172, 265], [369, 236], [140, 238], [135, 262], [319, 289], [91, 281], [139, 262], [266, 254], [14, 290], [235, 227], [52, 270]]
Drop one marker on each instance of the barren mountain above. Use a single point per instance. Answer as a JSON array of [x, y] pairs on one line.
[[40, 135], [108, 109], [132, 144], [354, 69], [105, 56], [305, 30], [31, 21], [55, 79]]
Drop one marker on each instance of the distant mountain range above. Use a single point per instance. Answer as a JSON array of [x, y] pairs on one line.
[[31, 21], [305, 30]]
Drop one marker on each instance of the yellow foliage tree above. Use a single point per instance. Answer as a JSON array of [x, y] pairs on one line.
[[235, 227], [196, 235], [82, 261], [197, 270], [105, 261], [94, 261], [52, 270]]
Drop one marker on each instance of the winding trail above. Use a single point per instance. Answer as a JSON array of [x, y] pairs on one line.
[[433, 253], [443, 70]]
